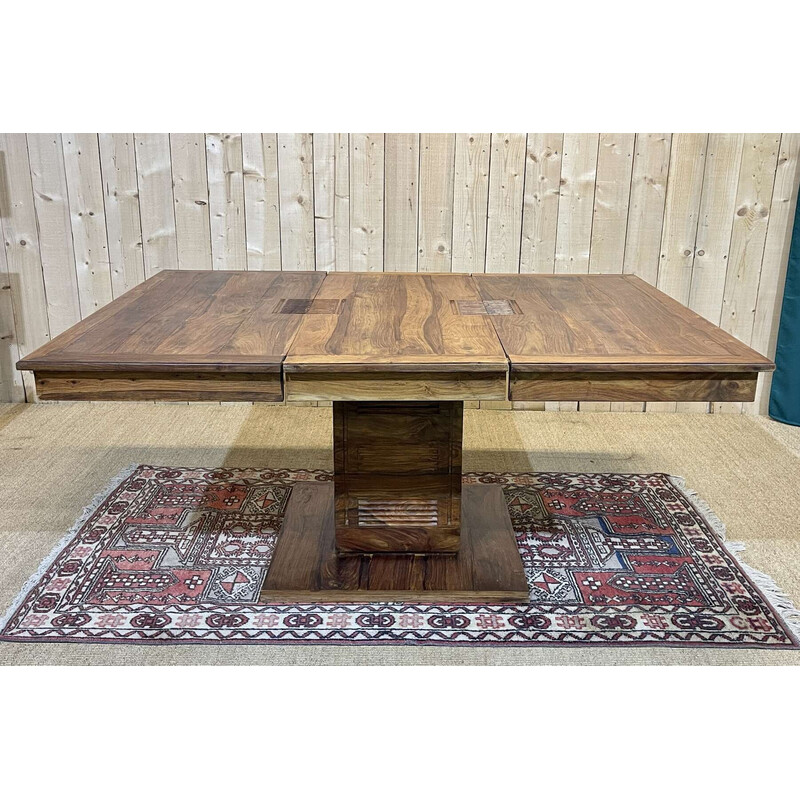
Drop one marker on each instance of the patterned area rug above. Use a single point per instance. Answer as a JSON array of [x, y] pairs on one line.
[[170, 555]]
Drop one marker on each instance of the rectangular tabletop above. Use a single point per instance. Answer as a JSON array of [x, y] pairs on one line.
[[396, 336], [612, 337], [181, 335], [191, 335]]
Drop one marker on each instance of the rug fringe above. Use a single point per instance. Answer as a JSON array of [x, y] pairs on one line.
[[777, 597], [717, 525], [64, 541]]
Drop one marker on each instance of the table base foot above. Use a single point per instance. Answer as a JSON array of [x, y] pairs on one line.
[[306, 567]]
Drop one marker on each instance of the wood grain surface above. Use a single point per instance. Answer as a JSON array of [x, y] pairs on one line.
[[404, 339], [398, 336], [605, 322], [630, 386], [160, 385], [390, 315], [185, 320], [397, 472], [306, 567]]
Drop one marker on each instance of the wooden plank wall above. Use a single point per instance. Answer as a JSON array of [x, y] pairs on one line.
[[705, 217]]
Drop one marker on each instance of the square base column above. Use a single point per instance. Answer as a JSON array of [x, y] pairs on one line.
[[397, 476]]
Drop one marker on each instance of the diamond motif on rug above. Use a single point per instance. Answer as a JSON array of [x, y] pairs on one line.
[[179, 555]]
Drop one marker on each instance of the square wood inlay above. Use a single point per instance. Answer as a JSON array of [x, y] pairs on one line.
[[491, 307], [301, 306]]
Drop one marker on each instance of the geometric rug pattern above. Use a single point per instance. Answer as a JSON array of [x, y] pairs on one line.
[[175, 555]]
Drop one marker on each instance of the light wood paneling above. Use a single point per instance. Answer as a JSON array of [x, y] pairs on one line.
[[262, 203], [366, 202], [540, 202], [226, 200], [325, 200], [11, 386], [646, 207], [506, 179], [87, 212], [156, 203], [296, 181], [341, 209], [436, 180], [578, 172], [470, 201], [401, 170], [706, 217], [55, 229], [190, 191], [21, 241], [124, 229], [611, 199]]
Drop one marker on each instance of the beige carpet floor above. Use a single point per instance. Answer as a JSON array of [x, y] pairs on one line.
[[55, 457]]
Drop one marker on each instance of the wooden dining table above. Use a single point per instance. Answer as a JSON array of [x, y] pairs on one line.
[[398, 354]]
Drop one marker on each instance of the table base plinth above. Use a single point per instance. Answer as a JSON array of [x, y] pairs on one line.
[[306, 567]]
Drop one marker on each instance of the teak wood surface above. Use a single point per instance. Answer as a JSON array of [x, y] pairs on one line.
[[394, 336], [306, 567], [397, 470]]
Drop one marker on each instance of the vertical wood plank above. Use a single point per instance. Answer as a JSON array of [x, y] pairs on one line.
[[436, 180], [646, 209], [366, 201], [23, 260], [226, 200], [717, 211], [296, 181], [12, 389], [748, 238], [721, 176], [681, 213], [774, 263], [261, 200], [325, 199], [541, 201], [611, 201], [401, 168], [341, 209], [121, 197], [156, 205], [190, 191], [506, 188], [51, 204], [87, 215], [578, 173], [470, 201]]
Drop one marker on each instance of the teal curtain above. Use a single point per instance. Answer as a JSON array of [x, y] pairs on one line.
[[784, 400]]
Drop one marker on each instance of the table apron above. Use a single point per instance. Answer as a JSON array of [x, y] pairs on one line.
[[396, 386], [634, 386]]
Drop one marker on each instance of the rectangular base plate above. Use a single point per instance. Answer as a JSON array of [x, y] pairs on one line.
[[306, 568]]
